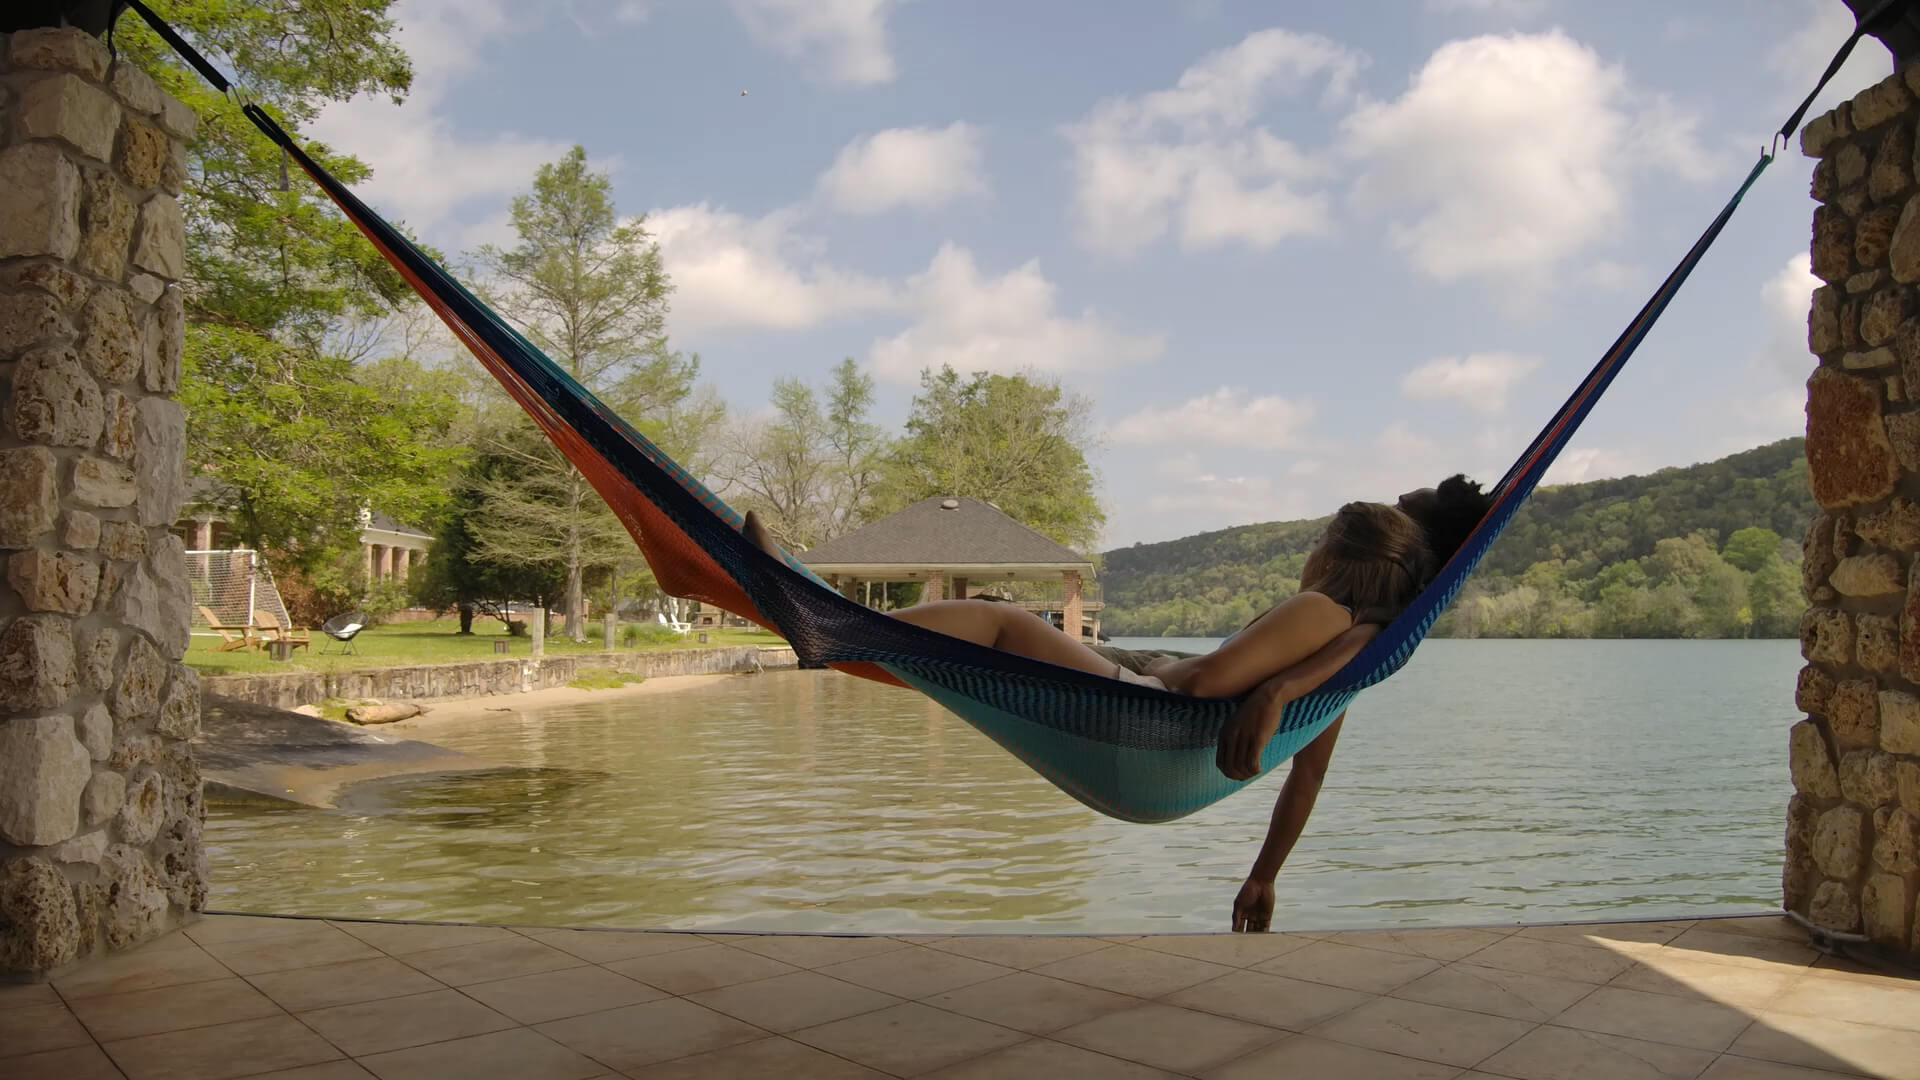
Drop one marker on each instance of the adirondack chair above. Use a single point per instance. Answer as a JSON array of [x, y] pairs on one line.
[[228, 642], [271, 631]]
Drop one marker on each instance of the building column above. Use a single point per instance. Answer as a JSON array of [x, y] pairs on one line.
[[1853, 824], [385, 562], [203, 534], [935, 587], [366, 558], [400, 568], [959, 588], [100, 811], [850, 588], [1070, 613]]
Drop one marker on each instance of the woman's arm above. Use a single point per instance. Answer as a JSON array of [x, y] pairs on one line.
[[1245, 735], [1295, 804], [1286, 635]]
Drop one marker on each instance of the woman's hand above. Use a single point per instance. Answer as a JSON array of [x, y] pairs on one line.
[[1246, 733], [1253, 908]]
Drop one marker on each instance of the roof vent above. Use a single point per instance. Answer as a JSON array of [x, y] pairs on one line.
[[949, 504]]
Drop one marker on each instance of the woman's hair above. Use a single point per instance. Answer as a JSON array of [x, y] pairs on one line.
[[1455, 511], [1377, 560]]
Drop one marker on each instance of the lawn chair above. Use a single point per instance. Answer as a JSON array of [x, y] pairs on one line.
[[271, 631], [228, 642], [343, 629]]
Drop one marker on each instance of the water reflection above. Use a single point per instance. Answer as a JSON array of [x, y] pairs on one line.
[[1606, 780]]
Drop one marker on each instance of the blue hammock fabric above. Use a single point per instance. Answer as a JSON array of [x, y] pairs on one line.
[[1127, 751]]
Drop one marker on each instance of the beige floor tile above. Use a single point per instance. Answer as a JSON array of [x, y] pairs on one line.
[[326, 1070], [1370, 971], [1235, 950], [1552, 958], [1839, 967], [1769, 926], [1607, 935], [399, 939], [229, 929], [1042, 1059], [1170, 1037], [1445, 945], [604, 946], [170, 1008], [1429, 1032], [1128, 969], [1857, 1002], [1715, 947], [1512, 994], [1557, 1053], [225, 1050], [141, 969], [1820, 1043], [809, 951], [1032, 1003], [87, 1062], [490, 960], [1662, 1018], [304, 989], [1679, 974], [33, 1028], [1308, 1058], [519, 1054], [633, 1036], [909, 1039], [554, 995], [258, 956], [1023, 953], [707, 967], [1273, 1000], [783, 1059], [22, 995], [1728, 1067], [371, 1027], [915, 972], [790, 1002]]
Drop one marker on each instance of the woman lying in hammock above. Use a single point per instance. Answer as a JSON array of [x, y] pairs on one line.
[[1370, 563]]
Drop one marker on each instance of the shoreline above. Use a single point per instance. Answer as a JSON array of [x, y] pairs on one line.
[[443, 711]]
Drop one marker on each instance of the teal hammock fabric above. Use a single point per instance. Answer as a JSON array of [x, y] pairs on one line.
[[1127, 751]]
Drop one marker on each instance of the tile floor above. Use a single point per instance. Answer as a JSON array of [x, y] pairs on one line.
[[252, 996]]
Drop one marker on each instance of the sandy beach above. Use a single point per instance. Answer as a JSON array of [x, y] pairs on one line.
[[442, 713]]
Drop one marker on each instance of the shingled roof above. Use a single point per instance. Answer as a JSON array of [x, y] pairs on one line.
[[941, 532]]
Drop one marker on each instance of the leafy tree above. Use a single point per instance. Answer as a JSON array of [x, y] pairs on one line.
[[1751, 547], [1016, 441], [459, 576], [810, 471]]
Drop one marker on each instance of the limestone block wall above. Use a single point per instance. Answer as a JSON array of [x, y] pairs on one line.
[[1853, 825], [100, 811]]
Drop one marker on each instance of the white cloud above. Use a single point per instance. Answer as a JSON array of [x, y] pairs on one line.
[[1509, 154], [1226, 417], [732, 270], [919, 167], [1481, 380], [1006, 324], [845, 40], [1610, 275], [1786, 297], [1490, 7], [1802, 56], [1210, 501], [1191, 158], [1596, 463]]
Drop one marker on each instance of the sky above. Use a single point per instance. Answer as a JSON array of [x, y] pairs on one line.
[[1294, 254]]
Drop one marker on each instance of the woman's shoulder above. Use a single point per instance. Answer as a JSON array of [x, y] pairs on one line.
[[1319, 602]]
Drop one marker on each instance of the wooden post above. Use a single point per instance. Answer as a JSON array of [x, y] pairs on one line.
[[959, 588], [1070, 614], [537, 630]]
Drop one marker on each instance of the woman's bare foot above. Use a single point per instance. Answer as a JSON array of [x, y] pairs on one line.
[[756, 531]]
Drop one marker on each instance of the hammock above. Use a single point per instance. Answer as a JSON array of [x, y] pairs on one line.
[[1127, 751]]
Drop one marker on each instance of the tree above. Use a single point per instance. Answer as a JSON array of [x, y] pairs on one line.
[[1751, 547], [1016, 441], [588, 289], [810, 472], [459, 576]]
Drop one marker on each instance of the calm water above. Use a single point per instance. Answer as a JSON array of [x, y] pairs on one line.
[[1491, 781]]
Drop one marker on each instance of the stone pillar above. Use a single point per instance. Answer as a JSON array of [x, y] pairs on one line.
[[366, 558], [203, 534], [850, 588], [959, 588], [400, 567], [935, 588], [1070, 611], [100, 810], [1853, 824]]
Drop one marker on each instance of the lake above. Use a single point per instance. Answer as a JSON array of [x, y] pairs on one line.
[[1488, 782]]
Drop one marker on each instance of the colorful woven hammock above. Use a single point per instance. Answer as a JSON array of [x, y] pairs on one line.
[[1126, 751]]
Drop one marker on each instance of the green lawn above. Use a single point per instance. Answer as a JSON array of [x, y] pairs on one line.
[[436, 642]]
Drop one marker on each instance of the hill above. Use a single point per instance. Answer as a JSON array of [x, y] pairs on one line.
[[1653, 555]]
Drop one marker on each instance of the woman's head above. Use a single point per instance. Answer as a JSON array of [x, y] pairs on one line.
[[1372, 558], [1447, 514]]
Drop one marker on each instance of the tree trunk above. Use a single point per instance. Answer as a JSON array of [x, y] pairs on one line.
[[466, 618], [576, 627]]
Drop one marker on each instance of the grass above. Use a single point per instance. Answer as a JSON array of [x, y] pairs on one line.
[[436, 642], [594, 678]]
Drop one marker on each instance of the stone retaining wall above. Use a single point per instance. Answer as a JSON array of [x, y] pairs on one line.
[[290, 689], [1853, 825], [99, 797]]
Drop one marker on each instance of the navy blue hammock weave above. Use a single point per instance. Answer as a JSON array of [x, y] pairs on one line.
[[1131, 752]]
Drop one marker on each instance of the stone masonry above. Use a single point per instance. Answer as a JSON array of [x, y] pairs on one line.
[[1853, 825], [100, 811]]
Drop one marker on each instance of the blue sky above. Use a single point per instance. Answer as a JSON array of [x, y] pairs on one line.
[[1295, 254]]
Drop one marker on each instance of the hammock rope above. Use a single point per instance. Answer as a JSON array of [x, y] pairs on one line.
[[1126, 751]]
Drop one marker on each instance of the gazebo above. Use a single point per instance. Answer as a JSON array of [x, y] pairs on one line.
[[953, 546]]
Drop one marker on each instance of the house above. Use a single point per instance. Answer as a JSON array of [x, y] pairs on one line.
[[389, 548]]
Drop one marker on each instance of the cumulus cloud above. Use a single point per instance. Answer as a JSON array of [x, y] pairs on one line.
[[1802, 56], [920, 167], [732, 270], [1775, 401], [1226, 417], [1006, 323], [1490, 7], [1481, 380], [1508, 154], [844, 41], [1579, 465], [1192, 159], [1205, 500]]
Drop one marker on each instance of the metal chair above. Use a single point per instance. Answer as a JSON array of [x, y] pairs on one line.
[[343, 629]]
